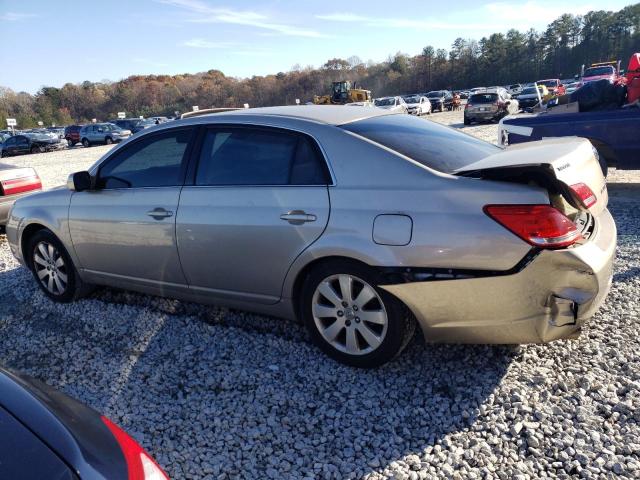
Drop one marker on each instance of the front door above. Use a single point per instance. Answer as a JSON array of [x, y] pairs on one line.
[[124, 229], [259, 199]]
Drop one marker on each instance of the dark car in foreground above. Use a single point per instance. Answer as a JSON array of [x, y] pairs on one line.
[[72, 134], [15, 182], [30, 143], [44, 434]]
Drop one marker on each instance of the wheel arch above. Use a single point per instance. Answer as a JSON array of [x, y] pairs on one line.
[[28, 233]]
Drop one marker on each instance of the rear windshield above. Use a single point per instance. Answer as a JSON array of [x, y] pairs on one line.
[[438, 147], [484, 98]]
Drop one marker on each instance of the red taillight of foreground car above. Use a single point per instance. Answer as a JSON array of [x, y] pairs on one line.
[[539, 225], [585, 194], [20, 185], [468, 105], [140, 465]]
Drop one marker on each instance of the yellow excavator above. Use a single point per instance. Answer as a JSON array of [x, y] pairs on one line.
[[341, 93]]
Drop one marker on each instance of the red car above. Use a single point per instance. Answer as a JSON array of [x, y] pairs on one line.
[[554, 85], [14, 183], [72, 134]]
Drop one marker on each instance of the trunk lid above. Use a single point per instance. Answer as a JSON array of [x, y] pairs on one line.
[[556, 164]]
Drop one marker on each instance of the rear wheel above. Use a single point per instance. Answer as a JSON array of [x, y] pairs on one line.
[[350, 318], [53, 268], [467, 121]]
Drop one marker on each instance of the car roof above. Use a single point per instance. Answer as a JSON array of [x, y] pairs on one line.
[[328, 114]]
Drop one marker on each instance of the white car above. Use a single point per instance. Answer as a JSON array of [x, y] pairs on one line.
[[393, 104], [417, 105]]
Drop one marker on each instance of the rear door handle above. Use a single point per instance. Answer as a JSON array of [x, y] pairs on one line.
[[298, 217], [159, 213]]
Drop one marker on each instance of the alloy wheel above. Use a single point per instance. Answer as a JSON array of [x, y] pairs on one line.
[[50, 268], [349, 314]]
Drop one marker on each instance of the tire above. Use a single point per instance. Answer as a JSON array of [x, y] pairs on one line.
[[70, 143], [388, 333], [41, 149], [467, 121], [108, 141], [86, 143], [46, 257], [33, 150]]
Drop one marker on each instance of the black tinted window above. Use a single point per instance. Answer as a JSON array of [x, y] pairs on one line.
[[156, 161], [433, 145], [240, 156], [484, 98]]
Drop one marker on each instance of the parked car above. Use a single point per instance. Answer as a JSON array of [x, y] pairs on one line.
[[142, 124], [105, 133], [514, 89], [346, 218], [613, 133], [572, 87], [529, 98], [46, 434], [127, 123], [492, 105], [554, 86], [599, 71], [58, 131], [15, 182], [393, 104], [417, 105], [72, 134], [30, 143], [440, 100]]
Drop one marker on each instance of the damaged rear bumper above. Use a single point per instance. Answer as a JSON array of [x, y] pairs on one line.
[[550, 298]]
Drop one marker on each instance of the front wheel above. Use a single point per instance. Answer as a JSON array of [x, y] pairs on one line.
[[85, 143], [108, 141], [350, 318], [53, 268]]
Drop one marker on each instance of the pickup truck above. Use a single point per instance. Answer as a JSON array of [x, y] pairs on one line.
[[613, 133]]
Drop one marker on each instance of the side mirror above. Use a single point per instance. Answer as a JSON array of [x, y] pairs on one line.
[[79, 181]]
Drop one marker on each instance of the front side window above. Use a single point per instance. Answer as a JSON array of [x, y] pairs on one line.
[[243, 156], [155, 161]]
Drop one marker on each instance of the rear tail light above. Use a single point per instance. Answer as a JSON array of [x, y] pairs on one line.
[[20, 185], [468, 105], [140, 465], [539, 225], [585, 194]]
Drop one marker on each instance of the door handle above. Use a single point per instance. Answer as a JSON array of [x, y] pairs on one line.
[[159, 213], [298, 217]]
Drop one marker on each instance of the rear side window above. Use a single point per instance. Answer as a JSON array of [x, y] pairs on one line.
[[435, 146], [244, 156], [154, 161]]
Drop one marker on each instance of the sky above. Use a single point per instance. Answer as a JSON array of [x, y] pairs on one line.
[[50, 43]]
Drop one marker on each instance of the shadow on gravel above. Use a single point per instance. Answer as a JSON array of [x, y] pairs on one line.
[[210, 391]]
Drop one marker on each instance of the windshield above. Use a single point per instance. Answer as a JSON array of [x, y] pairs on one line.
[[383, 102], [435, 94], [593, 71], [529, 91], [412, 98], [433, 145], [484, 98]]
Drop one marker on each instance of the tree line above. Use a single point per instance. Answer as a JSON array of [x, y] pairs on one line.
[[498, 59]]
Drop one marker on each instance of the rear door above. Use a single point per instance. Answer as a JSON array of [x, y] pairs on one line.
[[125, 228], [259, 198]]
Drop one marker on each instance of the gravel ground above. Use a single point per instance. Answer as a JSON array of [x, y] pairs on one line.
[[217, 393]]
